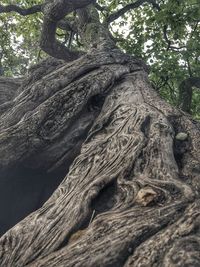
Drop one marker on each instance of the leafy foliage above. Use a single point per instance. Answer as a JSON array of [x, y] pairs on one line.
[[168, 39], [172, 58], [19, 37]]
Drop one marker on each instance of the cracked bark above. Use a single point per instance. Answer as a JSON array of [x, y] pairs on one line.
[[131, 195]]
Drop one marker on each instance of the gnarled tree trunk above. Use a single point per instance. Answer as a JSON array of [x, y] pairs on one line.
[[96, 169], [130, 162]]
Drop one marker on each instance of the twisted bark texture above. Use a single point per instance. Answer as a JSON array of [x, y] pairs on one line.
[[131, 188]]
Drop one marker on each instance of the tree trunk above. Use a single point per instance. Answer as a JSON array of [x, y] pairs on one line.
[[130, 163]]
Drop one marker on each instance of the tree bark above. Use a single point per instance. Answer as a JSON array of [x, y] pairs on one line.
[[8, 88], [185, 92], [130, 195]]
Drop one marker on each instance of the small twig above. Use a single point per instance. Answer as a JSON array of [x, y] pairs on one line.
[[39, 55], [99, 7], [92, 217], [129, 7], [71, 36]]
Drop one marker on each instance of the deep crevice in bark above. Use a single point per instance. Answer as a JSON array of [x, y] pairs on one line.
[[24, 190], [106, 198], [181, 147], [145, 127]]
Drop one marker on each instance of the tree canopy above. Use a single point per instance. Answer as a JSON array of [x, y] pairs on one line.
[[165, 33]]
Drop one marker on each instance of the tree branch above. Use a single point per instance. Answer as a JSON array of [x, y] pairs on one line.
[[65, 25], [53, 13], [99, 7], [57, 10], [128, 7], [168, 41], [52, 46], [166, 37], [136, 4], [20, 10], [185, 92]]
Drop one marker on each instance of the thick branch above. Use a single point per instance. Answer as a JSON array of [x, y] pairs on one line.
[[53, 13], [57, 10], [185, 92], [93, 33], [53, 47], [20, 10], [128, 7]]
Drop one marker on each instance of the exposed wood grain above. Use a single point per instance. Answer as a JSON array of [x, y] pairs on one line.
[[94, 218], [55, 108]]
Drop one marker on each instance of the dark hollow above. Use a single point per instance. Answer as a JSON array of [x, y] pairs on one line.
[[22, 192]]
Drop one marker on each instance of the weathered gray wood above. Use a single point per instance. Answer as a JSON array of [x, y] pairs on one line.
[[131, 197], [8, 89]]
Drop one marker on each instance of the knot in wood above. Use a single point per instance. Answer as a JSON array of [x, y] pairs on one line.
[[146, 196]]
